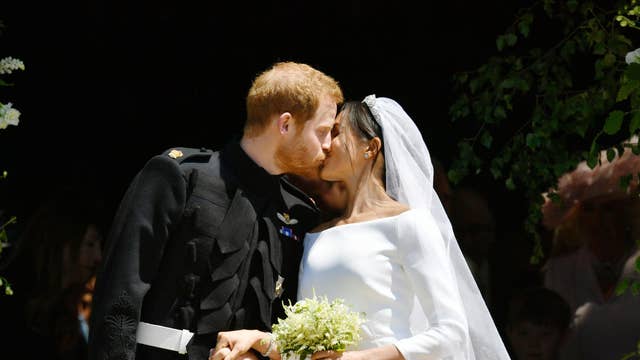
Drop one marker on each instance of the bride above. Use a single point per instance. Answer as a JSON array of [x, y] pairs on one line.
[[392, 255]]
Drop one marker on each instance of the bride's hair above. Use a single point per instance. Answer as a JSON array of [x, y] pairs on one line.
[[357, 118]]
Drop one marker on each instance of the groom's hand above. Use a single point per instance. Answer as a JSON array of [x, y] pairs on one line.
[[225, 354], [235, 345]]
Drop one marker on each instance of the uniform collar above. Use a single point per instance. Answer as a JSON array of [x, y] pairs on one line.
[[249, 174]]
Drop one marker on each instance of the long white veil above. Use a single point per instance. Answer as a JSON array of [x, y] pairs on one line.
[[409, 180]]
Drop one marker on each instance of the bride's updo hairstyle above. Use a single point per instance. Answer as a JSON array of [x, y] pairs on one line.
[[357, 118]]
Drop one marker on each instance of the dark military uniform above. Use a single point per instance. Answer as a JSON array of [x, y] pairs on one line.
[[201, 241]]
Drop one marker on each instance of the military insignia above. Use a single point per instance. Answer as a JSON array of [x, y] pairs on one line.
[[279, 288], [174, 154], [288, 232], [285, 218]]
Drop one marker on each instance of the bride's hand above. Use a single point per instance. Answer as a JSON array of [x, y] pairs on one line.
[[331, 355], [324, 355]]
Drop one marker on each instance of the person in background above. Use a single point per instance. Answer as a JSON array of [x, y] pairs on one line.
[[475, 228], [442, 185], [594, 252], [537, 324], [57, 257]]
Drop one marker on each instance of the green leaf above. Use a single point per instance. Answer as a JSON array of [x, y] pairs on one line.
[[635, 100], [634, 124], [568, 50], [619, 149], [508, 83], [598, 73], [554, 197], [511, 39], [462, 77], [510, 184], [455, 176], [572, 5], [633, 71], [500, 42], [622, 287], [626, 89], [499, 112], [592, 159], [524, 28], [599, 48], [507, 101], [523, 85], [638, 264], [599, 35], [474, 84], [608, 60], [496, 172], [547, 5], [533, 141], [486, 139], [625, 181], [613, 122], [611, 154], [635, 288]]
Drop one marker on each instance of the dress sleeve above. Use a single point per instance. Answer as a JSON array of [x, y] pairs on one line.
[[426, 263], [150, 209]]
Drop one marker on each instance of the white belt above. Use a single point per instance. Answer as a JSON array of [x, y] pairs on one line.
[[163, 337]]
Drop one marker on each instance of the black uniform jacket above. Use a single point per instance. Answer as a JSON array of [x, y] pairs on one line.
[[202, 241]]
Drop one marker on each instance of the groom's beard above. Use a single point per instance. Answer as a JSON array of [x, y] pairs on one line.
[[295, 158]]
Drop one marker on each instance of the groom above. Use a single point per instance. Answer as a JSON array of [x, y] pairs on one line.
[[208, 241]]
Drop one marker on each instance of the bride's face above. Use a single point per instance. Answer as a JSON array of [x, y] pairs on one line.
[[346, 158]]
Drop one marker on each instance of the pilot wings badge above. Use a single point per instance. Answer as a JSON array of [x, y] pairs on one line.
[[285, 218]]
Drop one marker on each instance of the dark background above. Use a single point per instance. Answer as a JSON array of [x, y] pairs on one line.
[[108, 84]]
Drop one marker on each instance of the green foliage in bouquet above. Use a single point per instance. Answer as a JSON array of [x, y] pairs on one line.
[[316, 324]]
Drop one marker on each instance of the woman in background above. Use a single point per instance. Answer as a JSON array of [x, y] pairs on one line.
[[55, 266]]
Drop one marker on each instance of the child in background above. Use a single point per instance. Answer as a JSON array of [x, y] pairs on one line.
[[537, 324]]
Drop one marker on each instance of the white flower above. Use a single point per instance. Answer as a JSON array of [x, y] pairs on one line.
[[633, 56], [8, 116], [316, 324], [9, 64]]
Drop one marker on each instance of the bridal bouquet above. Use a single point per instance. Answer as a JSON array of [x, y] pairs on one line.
[[316, 324]]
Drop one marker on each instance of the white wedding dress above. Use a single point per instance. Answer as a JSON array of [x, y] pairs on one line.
[[384, 267]]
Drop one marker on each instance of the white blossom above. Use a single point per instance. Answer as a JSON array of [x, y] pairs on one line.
[[633, 56], [9, 64], [8, 116]]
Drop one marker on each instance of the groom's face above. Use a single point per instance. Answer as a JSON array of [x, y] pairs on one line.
[[304, 152]]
